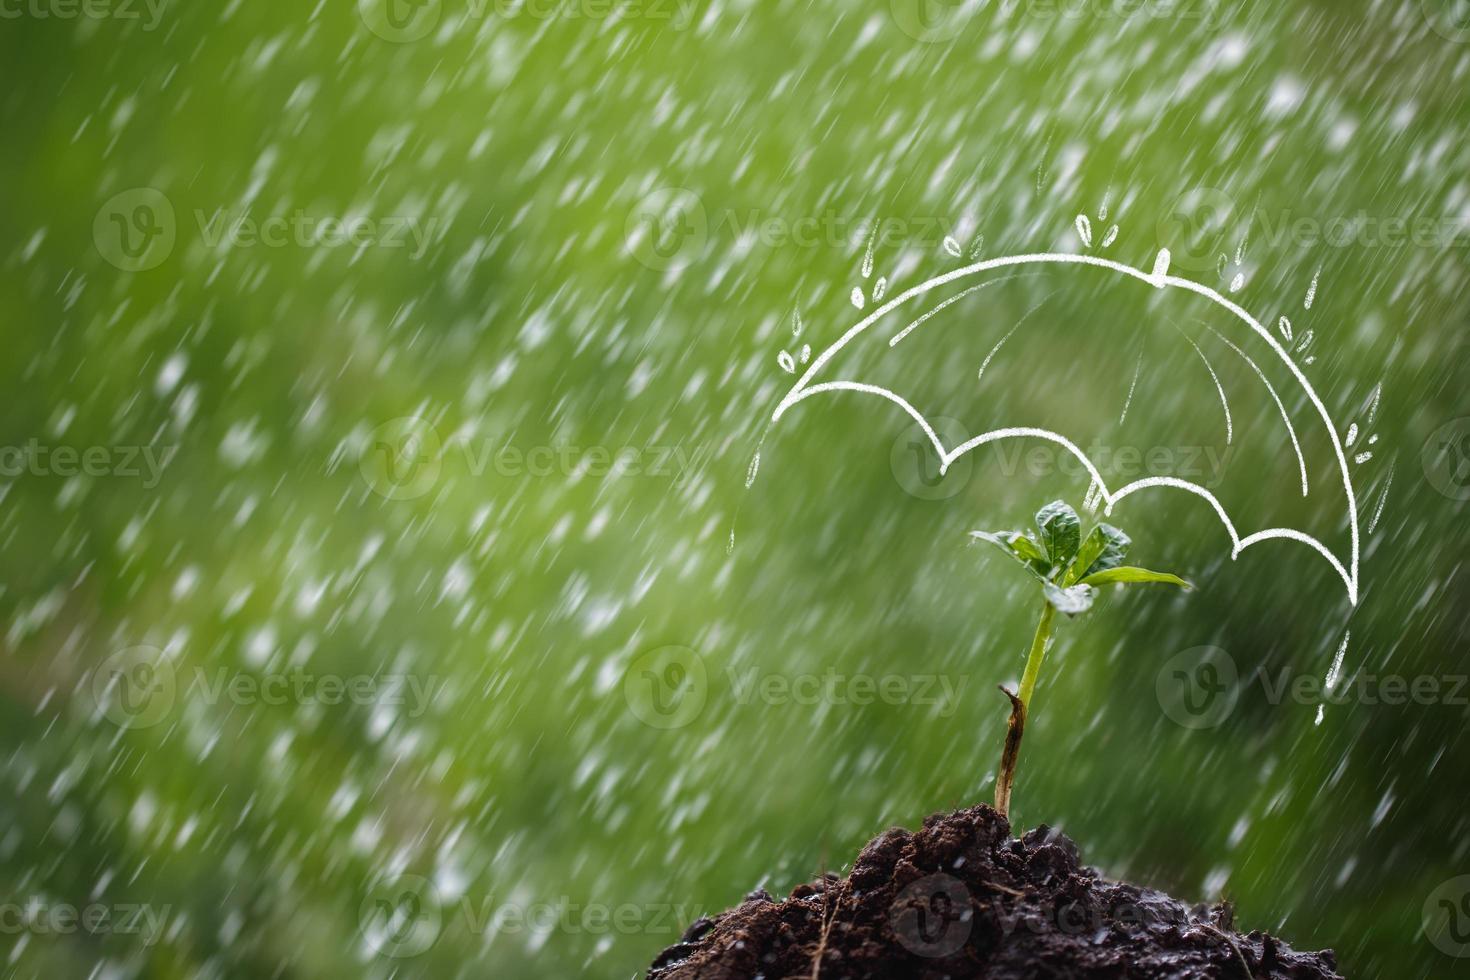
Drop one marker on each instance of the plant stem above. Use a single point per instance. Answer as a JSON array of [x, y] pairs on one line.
[[1038, 653], [1019, 704]]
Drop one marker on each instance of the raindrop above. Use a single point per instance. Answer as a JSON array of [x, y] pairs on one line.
[[951, 246], [976, 246], [1285, 329], [1382, 499], [1161, 266], [787, 364], [1305, 342], [1352, 435], [755, 466], [1362, 457], [1084, 230], [1110, 237], [1312, 289], [1237, 282], [880, 288], [796, 324], [868, 255], [806, 353], [857, 297], [1373, 401]]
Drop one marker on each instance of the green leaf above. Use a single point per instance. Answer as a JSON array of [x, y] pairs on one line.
[[1129, 574], [1018, 547], [1092, 547], [1026, 548], [1073, 601], [1061, 531], [1104, 548]]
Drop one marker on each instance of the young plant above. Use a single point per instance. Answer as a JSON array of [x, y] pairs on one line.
[[1069, 568]]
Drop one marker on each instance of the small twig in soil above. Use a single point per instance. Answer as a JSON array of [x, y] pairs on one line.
[[1233, 945], [827, 921], [1007, 775], [1014, 893]]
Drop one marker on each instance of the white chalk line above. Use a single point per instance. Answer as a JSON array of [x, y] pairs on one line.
[[1286, 419], [804, 389], [1219, 388], [980, 375], [893, 341]]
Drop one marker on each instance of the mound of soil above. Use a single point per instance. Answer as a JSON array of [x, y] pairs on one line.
[[963, 899]]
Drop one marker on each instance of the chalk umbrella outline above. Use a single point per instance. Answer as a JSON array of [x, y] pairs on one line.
[[1159, 278]]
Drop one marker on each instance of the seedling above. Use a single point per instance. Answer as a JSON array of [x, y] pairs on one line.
[[1069, 568]]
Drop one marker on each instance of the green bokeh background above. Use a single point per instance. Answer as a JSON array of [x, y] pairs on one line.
[[531, 140]]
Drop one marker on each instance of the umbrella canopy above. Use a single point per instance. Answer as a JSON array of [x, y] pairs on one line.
[[969, 344]]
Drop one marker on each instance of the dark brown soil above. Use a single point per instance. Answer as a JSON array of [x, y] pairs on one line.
[[963, 899]]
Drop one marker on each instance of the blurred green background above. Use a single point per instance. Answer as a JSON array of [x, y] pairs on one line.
[[497, 166]]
